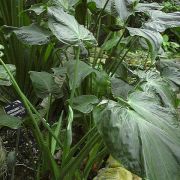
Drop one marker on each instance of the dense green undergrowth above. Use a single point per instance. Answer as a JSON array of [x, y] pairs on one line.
[[96, 78]]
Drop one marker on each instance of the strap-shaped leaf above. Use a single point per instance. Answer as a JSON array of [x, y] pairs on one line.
[[154, 39], [143, 136], [161, 21], [67, 30]]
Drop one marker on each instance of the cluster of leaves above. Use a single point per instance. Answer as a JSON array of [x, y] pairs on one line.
[[133, 106], [171, 6], [171, 37], [170, 46]]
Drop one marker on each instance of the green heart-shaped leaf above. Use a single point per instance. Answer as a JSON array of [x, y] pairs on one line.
[[142, 135]]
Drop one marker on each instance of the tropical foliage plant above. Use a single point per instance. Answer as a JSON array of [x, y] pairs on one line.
[[97, 66]]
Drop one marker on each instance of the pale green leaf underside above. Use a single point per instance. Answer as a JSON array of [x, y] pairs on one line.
[[153, 38]]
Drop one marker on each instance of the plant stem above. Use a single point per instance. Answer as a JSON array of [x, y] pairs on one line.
[[101, 50], [78, 145], [44, 123], [96, 158], [114, 49], [75, 77], [123, 101], [29, 106], [76, 162], [49, 105], [99, 16], [121, 60], [43, 146], [41, 140]]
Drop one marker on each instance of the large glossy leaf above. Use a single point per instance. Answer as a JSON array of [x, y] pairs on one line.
[[124, 8], [85, 103], [160, 21], [10, 121], [172, 74], [44, 85], [67, 30], [4, 77], [101, 3], [153, 39], [83, 71], [120, 88], [31, 35], [153, 83], [38, 9], [146, 7], [170, 70], [143, 136], [65, 4]]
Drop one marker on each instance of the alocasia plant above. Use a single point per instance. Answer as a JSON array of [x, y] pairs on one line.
[[136, 114]]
